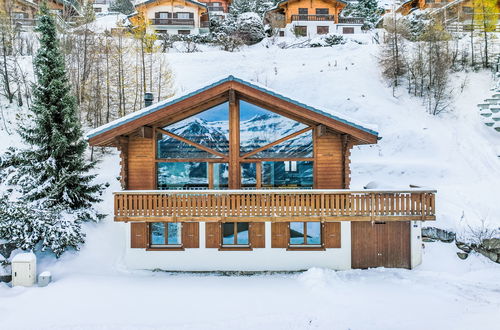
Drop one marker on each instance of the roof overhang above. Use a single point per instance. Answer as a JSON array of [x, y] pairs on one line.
[[180, 107]]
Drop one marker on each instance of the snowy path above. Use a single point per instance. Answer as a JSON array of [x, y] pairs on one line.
[[443, 293]]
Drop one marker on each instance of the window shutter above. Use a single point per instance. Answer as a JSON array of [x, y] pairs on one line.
[[331, 232], [138, 235], [258, 235], [191, 15], [174, 15], [279, 234], [212, 235], [190, 235], [157, 15]]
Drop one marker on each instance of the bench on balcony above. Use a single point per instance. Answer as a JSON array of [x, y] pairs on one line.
[[274, 205]]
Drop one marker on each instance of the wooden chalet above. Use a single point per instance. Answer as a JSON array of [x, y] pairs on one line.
[[234, 176]]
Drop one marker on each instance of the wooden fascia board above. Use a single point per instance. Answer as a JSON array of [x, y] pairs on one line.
[[307, 114], [168, 111]]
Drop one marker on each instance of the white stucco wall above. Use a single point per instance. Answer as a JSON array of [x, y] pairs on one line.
[[312, 28], [416, 243], [150, 14], [268, 258]]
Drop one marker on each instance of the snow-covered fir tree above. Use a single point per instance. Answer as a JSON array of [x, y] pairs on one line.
[[50, 175], [122, 6], [368, 9], [251, 6]]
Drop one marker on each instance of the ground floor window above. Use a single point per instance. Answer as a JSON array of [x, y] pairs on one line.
[[183, 32], [300, 30], [305, 234], [235, 234], [348, 30], [322, 29], [165, 234]]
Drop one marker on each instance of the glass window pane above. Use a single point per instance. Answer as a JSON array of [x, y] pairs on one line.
[[209, 128], [296, 233], [313, 233], [158, 233], [228, 233], [248, 175], [221, 176], [299, 146], [299, 175], [182, 175], [174, 233], [242, 233], [259, 126]]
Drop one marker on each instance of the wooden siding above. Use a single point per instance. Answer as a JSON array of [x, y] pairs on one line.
[[141, 164], [190, 235], [331, 235], [212, 235], [328, 162], [257, 235], [273, 205], [380, 244], [139, 235], [279, 235]]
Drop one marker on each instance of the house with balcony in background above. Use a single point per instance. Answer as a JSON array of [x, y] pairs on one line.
[[236, 177], [174, 16], [457, 15], [309, 18]]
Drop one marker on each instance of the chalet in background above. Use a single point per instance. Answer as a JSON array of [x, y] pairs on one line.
[[311, 18], [234, 176], [179, 16]]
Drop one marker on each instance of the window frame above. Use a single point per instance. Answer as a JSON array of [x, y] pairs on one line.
[[166, 246], [234, 246], [326, 10], [322, 29], [305, 245]]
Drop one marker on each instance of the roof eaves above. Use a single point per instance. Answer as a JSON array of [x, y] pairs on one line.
[[150, 1]]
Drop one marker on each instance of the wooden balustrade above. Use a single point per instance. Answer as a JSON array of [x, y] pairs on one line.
[[315, 18], [274, 205]]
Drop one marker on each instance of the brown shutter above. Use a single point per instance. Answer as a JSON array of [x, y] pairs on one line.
[[191, 15], [138, 235], [331, 232], [279, 234], [258, 235], [157, 15], [190, 235], [212, 235], [174, 15]]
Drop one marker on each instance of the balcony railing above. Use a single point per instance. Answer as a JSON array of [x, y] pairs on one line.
[[274, 205], [351, 20], [173, 21], [215, 9], [313, 17]]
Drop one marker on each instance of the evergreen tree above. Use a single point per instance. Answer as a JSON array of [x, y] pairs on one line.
[[52, 170], [368, 9], [239, 7], [122, 6]]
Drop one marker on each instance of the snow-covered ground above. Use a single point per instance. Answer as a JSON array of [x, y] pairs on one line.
[[454, 153], [444, 293]]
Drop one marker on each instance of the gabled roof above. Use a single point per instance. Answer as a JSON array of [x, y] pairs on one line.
[[212, 92], [146, 2], [285, 1]]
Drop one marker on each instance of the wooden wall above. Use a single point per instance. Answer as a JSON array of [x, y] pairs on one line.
[[141, 164], [331, 168], [292, 8]]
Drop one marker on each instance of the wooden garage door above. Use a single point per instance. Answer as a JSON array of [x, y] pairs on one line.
[[381, 244]]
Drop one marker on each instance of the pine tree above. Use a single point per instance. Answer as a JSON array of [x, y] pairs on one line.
[[122, 6], [239, 7], [52, 170], [368, 9]]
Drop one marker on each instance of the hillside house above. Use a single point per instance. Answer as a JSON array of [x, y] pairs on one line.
[[310, 18], [236, 177], [174, 17]]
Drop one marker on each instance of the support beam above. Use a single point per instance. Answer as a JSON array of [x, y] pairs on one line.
[[146, 132], [234, 146]]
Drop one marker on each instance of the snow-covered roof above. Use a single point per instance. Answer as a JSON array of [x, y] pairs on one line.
[[175, 99], [145, 2], [285, 1]]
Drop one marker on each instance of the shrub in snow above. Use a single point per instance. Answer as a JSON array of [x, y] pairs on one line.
[[122, 6], [334, 39], [249, 28]]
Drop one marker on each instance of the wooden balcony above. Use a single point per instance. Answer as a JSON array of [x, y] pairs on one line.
[[274, 205], [173, 21], [314, 18]]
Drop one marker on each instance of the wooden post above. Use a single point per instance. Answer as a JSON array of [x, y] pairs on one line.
[[234, 142]]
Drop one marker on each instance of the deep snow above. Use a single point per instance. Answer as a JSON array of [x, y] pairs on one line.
[[454, 153]]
